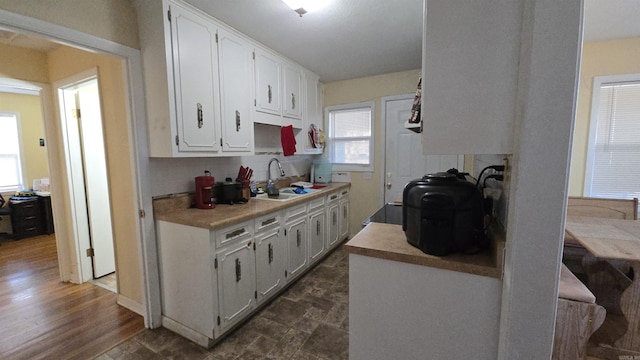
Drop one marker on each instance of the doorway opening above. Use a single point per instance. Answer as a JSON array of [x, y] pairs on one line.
[[404, 160], [85, 160]]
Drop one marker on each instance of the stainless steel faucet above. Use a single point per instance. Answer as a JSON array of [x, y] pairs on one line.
[[269, 168]]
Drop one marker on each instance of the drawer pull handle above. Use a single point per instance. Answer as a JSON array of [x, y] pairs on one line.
[[318, 227], [235, 233], [237, 121], [269, 93], [267, 222], [298, 237], [333, 197], [345, 192], [270, 253]]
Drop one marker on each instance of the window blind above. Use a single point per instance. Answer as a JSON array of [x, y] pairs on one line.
[[616, 154]]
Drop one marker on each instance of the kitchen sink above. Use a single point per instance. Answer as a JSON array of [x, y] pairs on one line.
[[284, 195]]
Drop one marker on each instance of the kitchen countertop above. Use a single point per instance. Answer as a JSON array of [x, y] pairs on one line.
[[388, 241], [223, 215]]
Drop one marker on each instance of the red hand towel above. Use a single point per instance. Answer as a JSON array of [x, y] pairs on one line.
[[288, 140]]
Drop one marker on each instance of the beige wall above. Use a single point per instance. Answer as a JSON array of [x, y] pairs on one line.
[[31, 127], [118, 152], [598, 59], [366, 195], [114, 20], [24, 64]]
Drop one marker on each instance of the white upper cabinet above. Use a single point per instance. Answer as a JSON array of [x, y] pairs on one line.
[[236, 69], [280, 96], [292, 95], [195, 68], [206, 84], [313, 113], [470, 70], [268, 73]]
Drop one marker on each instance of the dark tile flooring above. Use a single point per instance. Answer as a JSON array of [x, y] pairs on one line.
[[308, 321]]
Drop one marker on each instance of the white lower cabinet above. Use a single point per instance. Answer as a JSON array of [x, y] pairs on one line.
[[343, 215], [213, 279], [237, 280], [317, 230], [296, 234], [270, 256]]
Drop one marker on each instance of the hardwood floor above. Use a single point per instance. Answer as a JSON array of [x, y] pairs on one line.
[[43, 318]]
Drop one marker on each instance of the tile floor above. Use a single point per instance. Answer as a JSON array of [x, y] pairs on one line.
[[308, 321]]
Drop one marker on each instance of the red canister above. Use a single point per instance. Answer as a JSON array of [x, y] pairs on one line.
[[204, 191]]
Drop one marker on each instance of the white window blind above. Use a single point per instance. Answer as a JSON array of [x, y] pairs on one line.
[[351, 136], [11, 173], [613, 161]]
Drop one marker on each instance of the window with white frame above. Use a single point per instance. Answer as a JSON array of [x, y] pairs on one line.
[[613, 155], [10, 158], [350, 136]]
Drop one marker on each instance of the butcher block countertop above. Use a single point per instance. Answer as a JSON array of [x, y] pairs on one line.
[[175, 209], [388, 241]]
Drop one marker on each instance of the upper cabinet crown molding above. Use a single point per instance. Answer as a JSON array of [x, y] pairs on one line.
[[469, 76]]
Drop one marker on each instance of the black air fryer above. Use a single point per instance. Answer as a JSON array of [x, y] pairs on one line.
[[442, 213]]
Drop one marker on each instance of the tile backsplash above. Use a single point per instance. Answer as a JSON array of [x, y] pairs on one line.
[[172, 176]]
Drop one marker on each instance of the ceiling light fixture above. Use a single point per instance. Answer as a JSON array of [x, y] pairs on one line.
[[304, 6]]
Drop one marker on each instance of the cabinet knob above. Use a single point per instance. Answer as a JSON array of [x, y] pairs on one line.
[[388, 185]]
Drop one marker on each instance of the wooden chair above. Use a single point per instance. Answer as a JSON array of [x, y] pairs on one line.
[[603, 208], [577, 317]]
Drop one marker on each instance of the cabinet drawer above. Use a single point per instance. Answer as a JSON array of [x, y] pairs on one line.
[[316, 204], [333, 197], [26, 208], [28, 229], [344, 192], [234, 233], [267, 222], [296, 211]]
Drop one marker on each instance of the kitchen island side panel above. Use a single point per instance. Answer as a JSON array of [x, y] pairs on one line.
[[187, 281], [405, 311]]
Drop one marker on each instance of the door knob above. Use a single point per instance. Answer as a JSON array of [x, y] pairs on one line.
[[388, 185]]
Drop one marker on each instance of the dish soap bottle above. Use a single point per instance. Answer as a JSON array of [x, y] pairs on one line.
[[253, 187]]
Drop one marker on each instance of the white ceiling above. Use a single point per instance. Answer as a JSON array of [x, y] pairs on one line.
[[356, 38]]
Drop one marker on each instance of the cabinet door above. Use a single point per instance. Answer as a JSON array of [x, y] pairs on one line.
[[461, 115], [296, 233], [292, 94], [317, 240], [235, 64], [236, 276], [268, 83], [270, 259], [195, 70], [333, 223], [344, 218]]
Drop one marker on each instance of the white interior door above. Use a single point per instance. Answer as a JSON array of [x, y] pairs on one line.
[[95, 172], [86, 164], [404, 160]]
